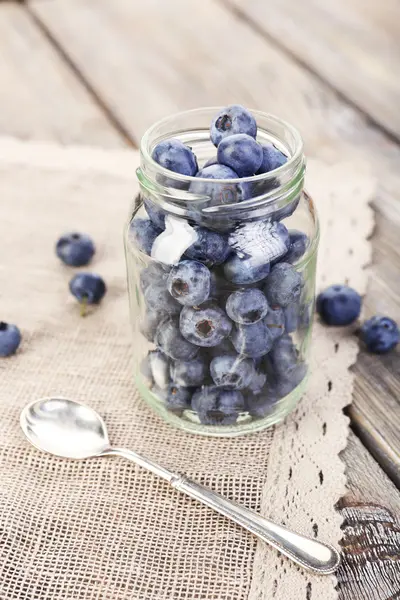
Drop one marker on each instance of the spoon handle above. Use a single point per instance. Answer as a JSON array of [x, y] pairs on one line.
[[308, 553]]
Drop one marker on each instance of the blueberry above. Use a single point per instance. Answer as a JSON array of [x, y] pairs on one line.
[[210, 247], [217, 407], [380, 334], [242, 271], [156, 214], [232, 120], [287, 210], [206, 325], [298, 245], [210, 161], [219, 193], [272, 159], [283, 357], [247, 306], [286, 384], [170, 340], [283, 285], [339, 305], [275, 322], [258, 382], [143, 232], [260, 241], [159, 367], [292, 314], [153, 272], [175, 156], [75, 249], [88, 288], [189, 373], [158, 298], [189, 282], [150, 322], [178, 398], [241, 153], [252, 340], [10, 339], [263, 403], [225, 347], [232, 372]]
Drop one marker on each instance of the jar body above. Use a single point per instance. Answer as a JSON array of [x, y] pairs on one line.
[[221, 286]]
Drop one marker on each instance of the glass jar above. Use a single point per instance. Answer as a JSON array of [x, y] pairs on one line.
[[227, 354]]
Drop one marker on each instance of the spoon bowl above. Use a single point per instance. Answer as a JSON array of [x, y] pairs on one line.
[[65, 428]]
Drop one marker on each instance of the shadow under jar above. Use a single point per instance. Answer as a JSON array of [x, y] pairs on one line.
[[221, 277]]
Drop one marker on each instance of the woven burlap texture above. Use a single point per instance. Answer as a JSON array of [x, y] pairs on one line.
[[103, 528]]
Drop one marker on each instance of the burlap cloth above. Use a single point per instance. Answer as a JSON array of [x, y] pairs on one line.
[[103, 528]]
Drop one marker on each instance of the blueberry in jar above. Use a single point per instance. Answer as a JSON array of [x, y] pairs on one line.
[[210, 247], [216, 406], [144, 232], [252, 340], [153, 272], [75, 249], [156, 214], [380, 334], [173, 155], [339, 305], [230, 121], [241, 153], [283, 285], [189, 282], [205, 325], [247, 306], [217, 192], [242, 271], [178, 398], [158, 298], [10, 339], [232, 371], [298, 246], [189, 373], [272, 159], [150, 322], [275, 322], [169, 339]]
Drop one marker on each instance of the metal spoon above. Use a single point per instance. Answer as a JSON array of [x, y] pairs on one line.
[[71, 430]]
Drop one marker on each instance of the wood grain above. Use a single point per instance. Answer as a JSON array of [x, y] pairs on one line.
[[370, 568], [151, 58], [352, 44], [39, 95]]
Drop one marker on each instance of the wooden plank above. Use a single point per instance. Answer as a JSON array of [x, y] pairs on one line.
[[166, 56], [371, 532], [39, 95], [352, 44]]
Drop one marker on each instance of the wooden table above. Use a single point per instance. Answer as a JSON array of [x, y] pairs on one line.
[[101, 71]]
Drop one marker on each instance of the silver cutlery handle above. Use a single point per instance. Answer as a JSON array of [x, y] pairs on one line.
[[310, 554]]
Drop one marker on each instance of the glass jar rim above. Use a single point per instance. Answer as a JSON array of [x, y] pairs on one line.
[[292, 162]]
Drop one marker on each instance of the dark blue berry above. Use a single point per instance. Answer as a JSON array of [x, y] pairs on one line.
[[189, 282], [150, 322], [283, 285], [189, 373], [292, 314], [230, 121], [159, 367], [258, 382], [178, 398], [143, 232], [242, 271], [261, 404], [156, 214], [241, 153], [170, 340], [298, 245], [158, 298], [275, 321], [247, 306], [10, 339], [272, 159], [286, 211], [380, 334], [206, 325], [210, 247], [153, 272], [287, 383], [75, 249], [252, 340], [339, 305], [232, 371], [88, 288], [283, 357], [210, 161], [175, 156], [219, 193], [217, 407]]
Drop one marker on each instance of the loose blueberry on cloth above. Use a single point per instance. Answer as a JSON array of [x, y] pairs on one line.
[[10, 339], [75, 249]]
